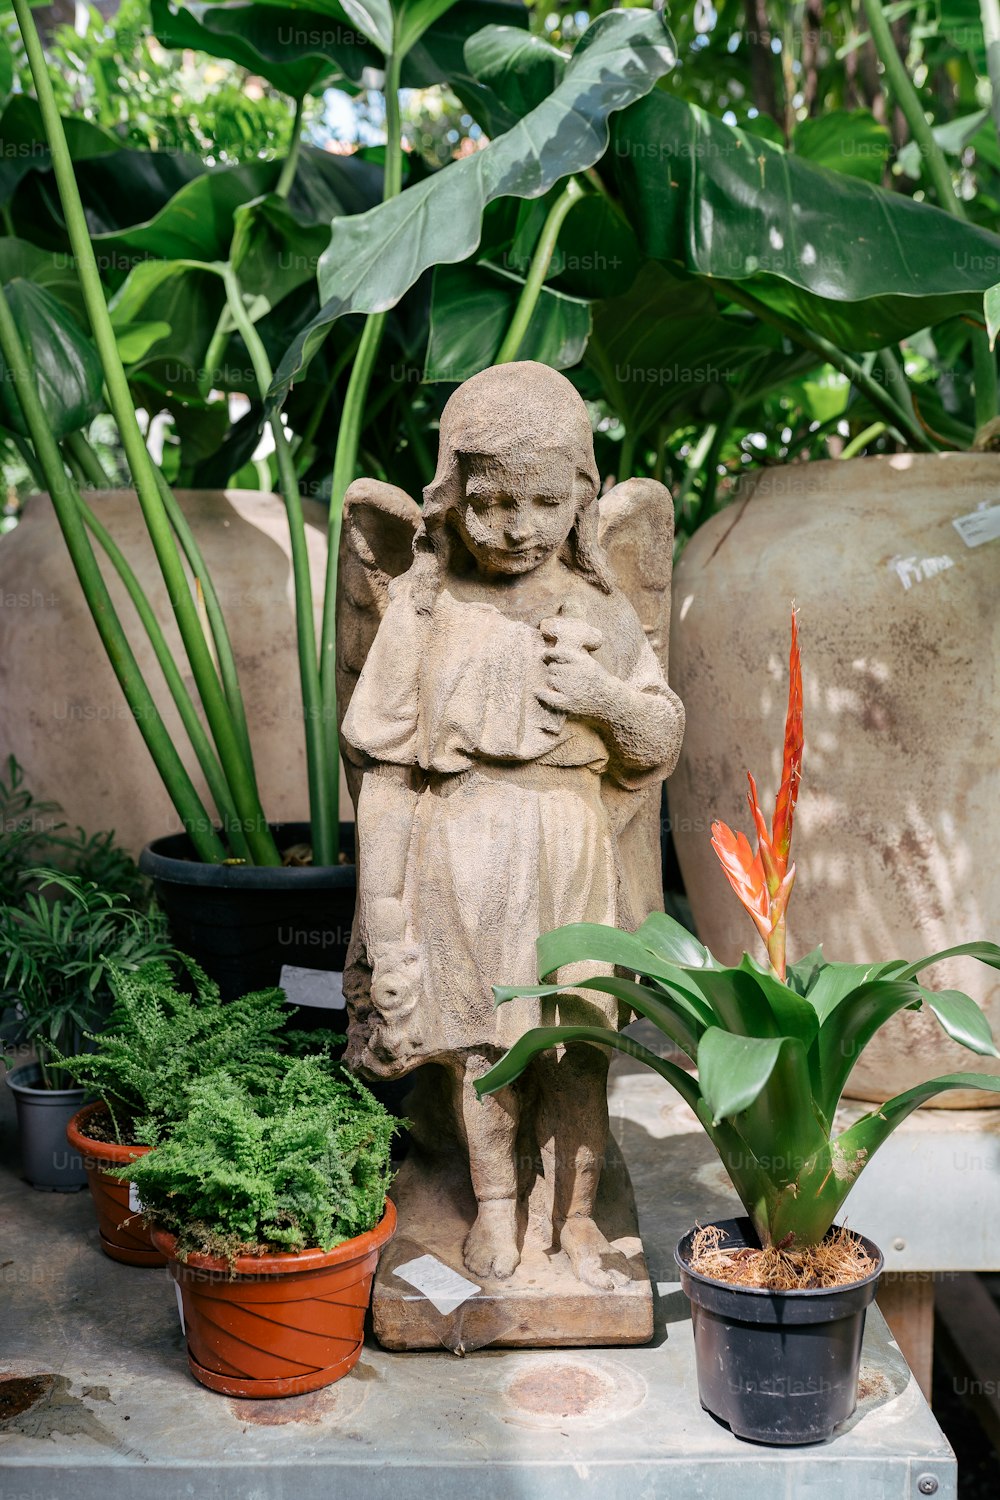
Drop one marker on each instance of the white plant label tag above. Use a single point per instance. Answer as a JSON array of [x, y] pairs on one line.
[[134, 1201], [979, 526], [323, 988], [442, 1286], [180, 1306]]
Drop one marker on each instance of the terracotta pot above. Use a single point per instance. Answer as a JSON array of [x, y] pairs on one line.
[[286, 1324], [898, 819], [123, 1235], [62, 712]]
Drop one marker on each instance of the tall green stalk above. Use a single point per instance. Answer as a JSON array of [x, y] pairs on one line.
[[346, 459], [906, 97], [538, 270], [323, 833], [69, 513], [238, 772]]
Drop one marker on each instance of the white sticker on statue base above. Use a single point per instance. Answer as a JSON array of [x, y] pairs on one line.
[[442, 1286], [323, 988], [979, 526], [180, 1306], [134, 1201]]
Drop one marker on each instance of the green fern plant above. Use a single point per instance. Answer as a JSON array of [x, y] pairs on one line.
[[303, 1162], [162, 1035], [56, 956]]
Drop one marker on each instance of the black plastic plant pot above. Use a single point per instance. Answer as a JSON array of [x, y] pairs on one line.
[[246, 924], [776, 1367]]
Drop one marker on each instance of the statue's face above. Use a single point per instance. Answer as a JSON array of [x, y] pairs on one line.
[[517, 510]]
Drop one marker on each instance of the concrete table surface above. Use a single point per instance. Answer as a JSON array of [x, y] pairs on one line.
[[118, 1417]]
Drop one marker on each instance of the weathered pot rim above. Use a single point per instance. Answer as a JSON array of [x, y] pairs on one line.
[[56, 1096], [284, 1263], [164, 859], [792, 1294], [109, 1151]]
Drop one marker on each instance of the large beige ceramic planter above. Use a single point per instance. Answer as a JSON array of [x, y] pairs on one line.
[[62, 712], [898, 823]]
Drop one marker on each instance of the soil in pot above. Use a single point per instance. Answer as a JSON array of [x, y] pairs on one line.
[[277, 1324], [777, 1366], [123, 1236], [47, 1161]]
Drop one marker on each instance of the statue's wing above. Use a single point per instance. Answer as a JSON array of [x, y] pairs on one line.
[[636, 529], [376, 546]]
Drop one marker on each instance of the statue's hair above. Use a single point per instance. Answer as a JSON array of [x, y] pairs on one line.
[[522, 403]]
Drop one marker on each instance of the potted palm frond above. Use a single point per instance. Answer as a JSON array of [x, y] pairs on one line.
[[779, 1297], [164, 1032], [57, 954], [268, 1201]]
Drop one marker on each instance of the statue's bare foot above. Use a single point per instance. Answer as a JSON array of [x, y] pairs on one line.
[[491, 1244], [594, 1261]]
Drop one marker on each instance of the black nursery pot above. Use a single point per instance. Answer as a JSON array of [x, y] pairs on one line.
[[776, 1367], [243, 923]]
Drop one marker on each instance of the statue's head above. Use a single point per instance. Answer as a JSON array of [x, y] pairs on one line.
[[516, 478]]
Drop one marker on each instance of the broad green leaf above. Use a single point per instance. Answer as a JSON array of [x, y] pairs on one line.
[[987, 953], [529, 1046], [298, 51], [836, 981], [62, 360], [56, 273], [805, 971], [848, 141], [187, 299], [848, 1027], [413, 18], [868, 1133], [439, 57], [726, 204], [135, 340], [374, 258], [663, 935], [991, 311], [793, 1015], [952, 137], [25, 148], [516, 69], [962, 1019], [197, 223], [374, 19], [471, 311], [733, 1070], [676, 1015]]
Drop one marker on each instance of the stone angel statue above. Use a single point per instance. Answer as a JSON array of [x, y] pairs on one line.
[[506, 726]]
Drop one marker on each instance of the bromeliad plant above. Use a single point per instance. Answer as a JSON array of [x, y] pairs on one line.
[[773, 1045]]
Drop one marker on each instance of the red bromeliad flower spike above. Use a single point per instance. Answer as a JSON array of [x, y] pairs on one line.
[[763, 881]]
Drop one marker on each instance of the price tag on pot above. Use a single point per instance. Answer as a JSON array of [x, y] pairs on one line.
[[134, 1201], [979, 526], [180, 1306], [442, 1286], [323, 988]]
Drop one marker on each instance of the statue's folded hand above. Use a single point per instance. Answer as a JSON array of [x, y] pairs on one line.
[[574, 683]]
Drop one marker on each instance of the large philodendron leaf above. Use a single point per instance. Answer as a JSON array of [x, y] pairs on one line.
[[834, 253], [471, 310], [56, 273], [197, 222], [62, 360], [25, 148], [298, 51], [374, 258]]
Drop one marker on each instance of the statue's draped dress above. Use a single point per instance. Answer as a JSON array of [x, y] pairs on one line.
[[514, 827]]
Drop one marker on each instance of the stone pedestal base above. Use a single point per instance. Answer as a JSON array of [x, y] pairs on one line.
[[542, 1305]]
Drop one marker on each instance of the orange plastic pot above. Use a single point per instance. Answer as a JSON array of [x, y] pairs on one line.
[[123, 1235], [282, 1325]]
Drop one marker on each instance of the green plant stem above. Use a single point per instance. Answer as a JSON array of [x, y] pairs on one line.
[[345, 461], [221, 639], [200, 742], [854, 447], [291, 162], [908, 429], [323, 838], [34, 468], [693, 467], [906, 96], [69, 459], [238, 773], [712, 458], [89, 462], [537, 271], [68, 508], [626, 456], [215, 352]]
